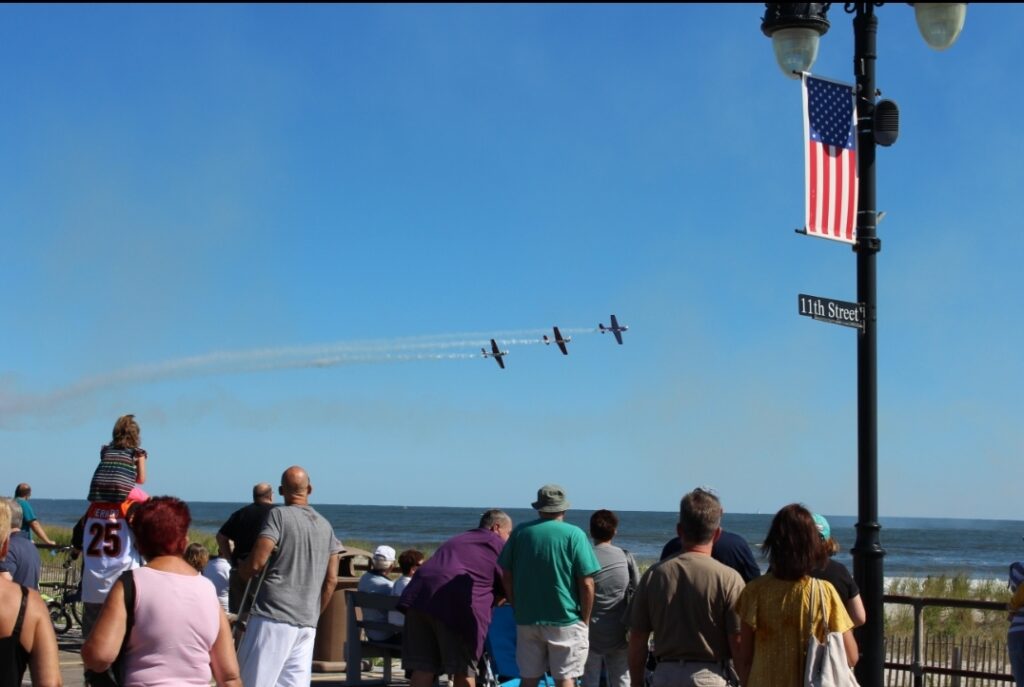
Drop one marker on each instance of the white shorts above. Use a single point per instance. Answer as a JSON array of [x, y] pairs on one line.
[[560, 650], [276, 654]]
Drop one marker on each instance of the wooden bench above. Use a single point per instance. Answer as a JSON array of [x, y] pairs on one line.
[[358, 646]]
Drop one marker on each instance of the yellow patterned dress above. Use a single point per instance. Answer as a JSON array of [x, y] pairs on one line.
[[779, 612]]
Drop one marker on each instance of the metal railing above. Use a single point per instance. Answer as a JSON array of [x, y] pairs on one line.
[[917, 666]]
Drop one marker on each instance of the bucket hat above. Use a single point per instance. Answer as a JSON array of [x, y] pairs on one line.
[[551, 499]]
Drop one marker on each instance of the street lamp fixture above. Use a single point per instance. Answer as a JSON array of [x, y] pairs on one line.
[[795, 29], [940, 23]]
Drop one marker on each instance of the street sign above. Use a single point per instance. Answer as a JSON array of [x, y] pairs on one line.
[[831, 310]]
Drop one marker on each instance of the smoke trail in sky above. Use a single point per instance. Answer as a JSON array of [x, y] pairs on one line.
[[431, 347]]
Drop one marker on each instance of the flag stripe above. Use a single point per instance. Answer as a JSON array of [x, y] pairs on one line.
[[841, 195], [827, 193], [852, 189], [812, 188]]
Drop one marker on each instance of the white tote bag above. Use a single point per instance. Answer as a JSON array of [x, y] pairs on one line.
[[826, 662]]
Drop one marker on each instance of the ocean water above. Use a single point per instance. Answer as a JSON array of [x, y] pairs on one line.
[[915, 547]]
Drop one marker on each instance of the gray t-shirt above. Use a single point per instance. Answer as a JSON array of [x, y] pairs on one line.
[[607, 630], [291, 589]]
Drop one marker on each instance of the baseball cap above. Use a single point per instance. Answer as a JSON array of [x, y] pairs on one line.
[[384, 553], [822, 524]]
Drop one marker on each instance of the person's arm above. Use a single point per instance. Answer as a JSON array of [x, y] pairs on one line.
[[6, 575], [44, 659], [78, 537], [41, 533], [225, 545], [223, 660], [330, 582], [140, 467], [506, 582], [586, 589], [257, 558], [852, 653], [637, 656], [744, 656], [634, 571], [855, 607], [103, 645]]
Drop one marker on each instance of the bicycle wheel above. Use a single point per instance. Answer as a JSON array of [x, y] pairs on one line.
[[59, 617]]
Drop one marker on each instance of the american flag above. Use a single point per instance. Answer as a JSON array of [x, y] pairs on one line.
[[830, 132]]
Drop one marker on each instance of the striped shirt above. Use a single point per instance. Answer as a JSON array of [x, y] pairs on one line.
[[115, 476]]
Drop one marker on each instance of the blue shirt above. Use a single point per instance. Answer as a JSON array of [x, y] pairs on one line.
[[22, 561], [375, 583], [731, 549]]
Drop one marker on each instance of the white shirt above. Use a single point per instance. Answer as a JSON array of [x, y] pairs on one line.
[[217, 571]]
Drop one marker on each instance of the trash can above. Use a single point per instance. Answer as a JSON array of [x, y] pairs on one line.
[[329, 646]]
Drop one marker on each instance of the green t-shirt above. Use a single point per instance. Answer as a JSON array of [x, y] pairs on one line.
[[546, 558]]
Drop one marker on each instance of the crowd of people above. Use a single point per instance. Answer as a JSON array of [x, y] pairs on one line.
[[158, 609]]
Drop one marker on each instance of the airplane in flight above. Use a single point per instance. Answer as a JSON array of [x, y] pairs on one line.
[[614, 329], [495, 353], [558, 340]]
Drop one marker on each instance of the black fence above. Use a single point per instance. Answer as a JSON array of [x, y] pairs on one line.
[[920, 661]]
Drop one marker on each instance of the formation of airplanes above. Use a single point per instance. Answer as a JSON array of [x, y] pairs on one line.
[[559, 340]]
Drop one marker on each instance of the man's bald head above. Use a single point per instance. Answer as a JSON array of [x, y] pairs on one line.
[[263, 493], [295, 486]]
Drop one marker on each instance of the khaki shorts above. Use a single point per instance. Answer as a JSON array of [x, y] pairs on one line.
[[428, 645], [560, 650]]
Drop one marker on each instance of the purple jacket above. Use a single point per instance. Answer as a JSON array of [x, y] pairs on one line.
[[458, 585]]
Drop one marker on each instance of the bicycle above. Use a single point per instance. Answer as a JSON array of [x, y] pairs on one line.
[[64, 607]]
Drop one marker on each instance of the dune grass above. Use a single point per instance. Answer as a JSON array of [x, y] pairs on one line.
[[949, 622]]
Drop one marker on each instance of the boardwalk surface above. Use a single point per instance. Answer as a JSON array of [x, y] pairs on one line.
[[71, 666]]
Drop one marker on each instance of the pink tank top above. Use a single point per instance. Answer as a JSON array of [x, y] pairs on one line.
[[177, 618]]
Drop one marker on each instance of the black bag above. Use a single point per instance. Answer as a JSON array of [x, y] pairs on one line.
[[114, 675]]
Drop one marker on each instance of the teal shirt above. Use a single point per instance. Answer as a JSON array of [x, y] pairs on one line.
[[546, 558], [28, 516]]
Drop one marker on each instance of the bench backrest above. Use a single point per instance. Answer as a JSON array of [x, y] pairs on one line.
[[365, 600]]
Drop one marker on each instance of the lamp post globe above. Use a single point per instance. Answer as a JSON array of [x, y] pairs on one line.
[[795, 29], [940, 23]]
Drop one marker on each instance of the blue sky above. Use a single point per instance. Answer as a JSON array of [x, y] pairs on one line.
[[290, 185]]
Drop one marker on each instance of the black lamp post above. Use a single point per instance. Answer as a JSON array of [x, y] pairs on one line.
[[795, 29]]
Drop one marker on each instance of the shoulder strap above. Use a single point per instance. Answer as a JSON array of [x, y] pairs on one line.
[[812, 617], [824, 605], [21, 613]]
